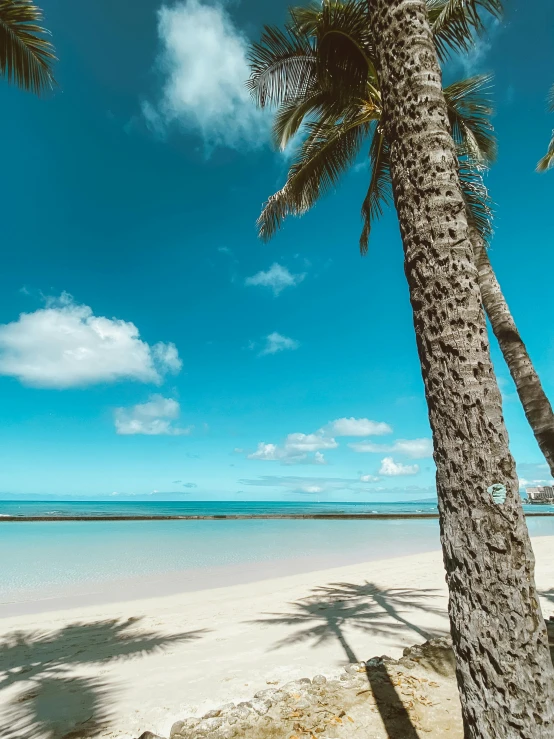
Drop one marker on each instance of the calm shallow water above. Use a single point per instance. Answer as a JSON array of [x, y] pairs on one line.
[[54, 558]]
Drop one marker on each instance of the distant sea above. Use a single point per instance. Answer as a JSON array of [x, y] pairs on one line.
[[200, 508], [57, 564]]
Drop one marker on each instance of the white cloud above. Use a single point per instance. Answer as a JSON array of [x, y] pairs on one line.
[[203, 58], [311, 489], [297, 449], [393, 469], [66, 345], [358, 427], [314, 484], [275, 342], [153, 418], [415, 448], [368, 478], [277, 278]]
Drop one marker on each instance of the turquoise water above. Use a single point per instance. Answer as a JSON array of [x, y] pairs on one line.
[[55, 558], [198, 508]]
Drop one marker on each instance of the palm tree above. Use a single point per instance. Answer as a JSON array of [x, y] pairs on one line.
[[548, 159], [340, 115], [26, 56], [503, 665], [536, 405]]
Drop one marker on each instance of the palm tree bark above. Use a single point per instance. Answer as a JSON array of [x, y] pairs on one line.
[[504, 672], [529, 388]]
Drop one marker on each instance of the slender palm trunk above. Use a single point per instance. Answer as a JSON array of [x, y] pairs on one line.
[[533, 398], [504, 670]]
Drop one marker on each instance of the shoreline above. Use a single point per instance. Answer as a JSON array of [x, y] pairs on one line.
[[246, 517]]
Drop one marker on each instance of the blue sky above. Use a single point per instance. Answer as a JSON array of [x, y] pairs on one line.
[[152, 346]]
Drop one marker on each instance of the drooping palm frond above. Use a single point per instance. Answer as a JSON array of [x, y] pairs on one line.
[[282, 64], [342, 36], [551, 99], [326, 153], [318, 104], [26, 56], [455, 23], [325, 46], [379, 192], [475, 194], [547, 162], [469, 111]]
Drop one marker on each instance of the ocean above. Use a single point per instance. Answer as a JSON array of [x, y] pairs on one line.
[[221, 508], [62, 563]]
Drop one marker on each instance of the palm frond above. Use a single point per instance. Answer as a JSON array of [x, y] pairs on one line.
[[454, 23], [321, 105], [478, 203], [26, 56], [469, 111], [324, 156], [282, 64], [547, 162], [551, 99], [379, 193], [342, 36]]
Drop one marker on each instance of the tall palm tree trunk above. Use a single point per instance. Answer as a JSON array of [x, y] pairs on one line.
[[529, 388], [504, 672]]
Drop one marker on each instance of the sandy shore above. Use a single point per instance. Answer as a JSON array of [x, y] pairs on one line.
[[119, 669]]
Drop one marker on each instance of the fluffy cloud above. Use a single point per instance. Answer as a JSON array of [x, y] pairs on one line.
[[414, 448], [277, 278], [298, 484], [368, 478], [297, 449], [276, 342], [393, 469], [358, 427], [154, 418], [65, 345], [203, 58]]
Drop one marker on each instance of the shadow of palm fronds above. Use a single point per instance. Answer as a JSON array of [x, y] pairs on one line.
[[56, 707], [54, 703], [24, 654], [323, 614]]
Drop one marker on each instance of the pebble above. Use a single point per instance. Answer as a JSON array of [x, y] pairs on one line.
[[260, 706], [295, 686], [214, 713], [267, 694], [319, 680], [208, 725]]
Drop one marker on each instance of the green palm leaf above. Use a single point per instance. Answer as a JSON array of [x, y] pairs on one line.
[[26, 57], [324, 156], [455, 22], [547, 162], [379, 193], [475, 194], [282, 64], [469, 112]]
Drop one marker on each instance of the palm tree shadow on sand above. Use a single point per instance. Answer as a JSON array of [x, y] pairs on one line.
[[54, 703], [323, 615]]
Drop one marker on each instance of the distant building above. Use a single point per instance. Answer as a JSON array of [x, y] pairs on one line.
[[542, 495]]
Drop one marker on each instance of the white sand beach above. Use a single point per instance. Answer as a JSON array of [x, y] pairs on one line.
[[119, 669]]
